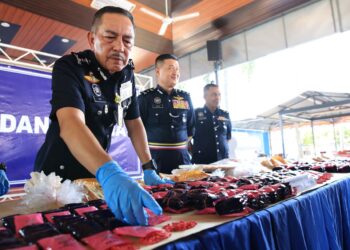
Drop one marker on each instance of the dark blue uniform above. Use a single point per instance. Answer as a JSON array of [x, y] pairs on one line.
[[213, 130], [169, 121], [79, 81]]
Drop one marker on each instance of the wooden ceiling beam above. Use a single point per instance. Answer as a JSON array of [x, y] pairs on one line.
[[234, 22], [77, 15]]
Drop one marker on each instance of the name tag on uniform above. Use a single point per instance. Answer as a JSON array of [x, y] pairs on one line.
[[125, 90], [180, 104]]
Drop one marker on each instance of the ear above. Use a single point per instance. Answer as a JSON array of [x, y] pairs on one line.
[[157, 71], [91, 39]]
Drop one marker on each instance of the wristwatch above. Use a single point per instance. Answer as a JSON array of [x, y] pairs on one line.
[[3, 166], [150, 165]]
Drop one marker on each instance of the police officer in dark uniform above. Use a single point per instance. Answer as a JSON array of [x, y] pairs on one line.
[[213, 129], [4, 182], [168, 116], [91, 92]]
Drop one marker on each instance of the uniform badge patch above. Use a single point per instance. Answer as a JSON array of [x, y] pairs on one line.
[[91, 78], [96, 89], [157, 100], [180, 104]]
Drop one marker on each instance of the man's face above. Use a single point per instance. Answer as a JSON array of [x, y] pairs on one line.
[[168, 73], [212, 97], [112, 41]]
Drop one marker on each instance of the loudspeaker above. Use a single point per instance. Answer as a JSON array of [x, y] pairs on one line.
[[214, 50]]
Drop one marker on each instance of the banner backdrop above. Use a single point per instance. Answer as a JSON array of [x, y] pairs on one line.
[[24, 119]]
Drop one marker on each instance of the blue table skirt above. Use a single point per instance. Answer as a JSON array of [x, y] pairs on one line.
[[319, 219]]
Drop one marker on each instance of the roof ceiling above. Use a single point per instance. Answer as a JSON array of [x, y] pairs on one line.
[[41, 25]]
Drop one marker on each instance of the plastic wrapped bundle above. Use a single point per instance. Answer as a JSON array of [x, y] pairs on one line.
[[105, 218], [231, 205], [62, 222], [33, 233], [257, 199], [84, 228]]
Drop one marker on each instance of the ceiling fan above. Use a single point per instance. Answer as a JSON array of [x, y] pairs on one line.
[[167, 19]]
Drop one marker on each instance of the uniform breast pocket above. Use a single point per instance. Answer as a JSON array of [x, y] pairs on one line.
[[104, 113], [223, 126], [179, 118]]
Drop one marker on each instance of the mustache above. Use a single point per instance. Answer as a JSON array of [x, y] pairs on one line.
[[119, 56]]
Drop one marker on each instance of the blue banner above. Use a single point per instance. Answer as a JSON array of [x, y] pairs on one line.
[[24, 119]]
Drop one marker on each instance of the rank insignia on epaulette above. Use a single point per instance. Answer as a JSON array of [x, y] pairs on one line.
[[178, 97], [222, 118], [91, 78]]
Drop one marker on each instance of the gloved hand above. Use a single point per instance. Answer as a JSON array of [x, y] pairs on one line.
[[125, 197], [151, 178], [4, 183]]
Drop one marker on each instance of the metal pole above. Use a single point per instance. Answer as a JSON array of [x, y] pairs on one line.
[[217, 66], [335, 136], [282, 136], [313, 136]]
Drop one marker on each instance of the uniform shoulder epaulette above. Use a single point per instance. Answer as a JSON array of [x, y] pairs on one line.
[[183, 91], [145, 92]]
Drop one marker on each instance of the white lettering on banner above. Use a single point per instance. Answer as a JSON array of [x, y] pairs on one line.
[[39, 124], [24, 125], [8, 124]]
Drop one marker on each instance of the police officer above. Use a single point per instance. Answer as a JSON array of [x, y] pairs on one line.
[[213, 129], [4, 182], [168, 116], [91, 92]]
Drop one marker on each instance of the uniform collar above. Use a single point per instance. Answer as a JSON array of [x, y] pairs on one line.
[[163, 91], [207, 110]]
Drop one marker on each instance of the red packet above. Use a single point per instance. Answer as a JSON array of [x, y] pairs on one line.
[[207, 210], [27, 219], [61, 242], [51, 215], [159, 195], [180, 226], [245, 212], [154, 219], [83, 210], [147, 235], [107, 240], [179, 211]]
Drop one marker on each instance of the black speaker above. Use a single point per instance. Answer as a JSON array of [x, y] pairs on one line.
[[214, 50]]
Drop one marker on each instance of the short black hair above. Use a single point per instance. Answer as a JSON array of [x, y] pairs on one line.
[[109, 9], [208, 86], [161, 58]]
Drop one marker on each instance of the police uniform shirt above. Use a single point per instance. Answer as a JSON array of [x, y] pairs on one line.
[[210, 141], [169, 121], [79, 81]]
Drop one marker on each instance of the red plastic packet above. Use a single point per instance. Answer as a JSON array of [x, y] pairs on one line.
[[159, 195], [135, 231], [83, 210], [154, 219], [245, 211], [61, 241], [179, 211], [155, 237], [50, 216], [207, 210], [179, 226], [27, 219], [250, 187], [104, 206], [107, 240]]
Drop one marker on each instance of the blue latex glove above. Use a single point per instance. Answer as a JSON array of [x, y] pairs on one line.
[[151, 178], [4, 183], [125, 197]]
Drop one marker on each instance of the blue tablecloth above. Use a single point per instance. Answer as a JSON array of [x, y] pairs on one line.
[[319, 219]]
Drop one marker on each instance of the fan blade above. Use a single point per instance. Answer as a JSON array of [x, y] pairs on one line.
[[151, 13], [184, 17], [163, 28]]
